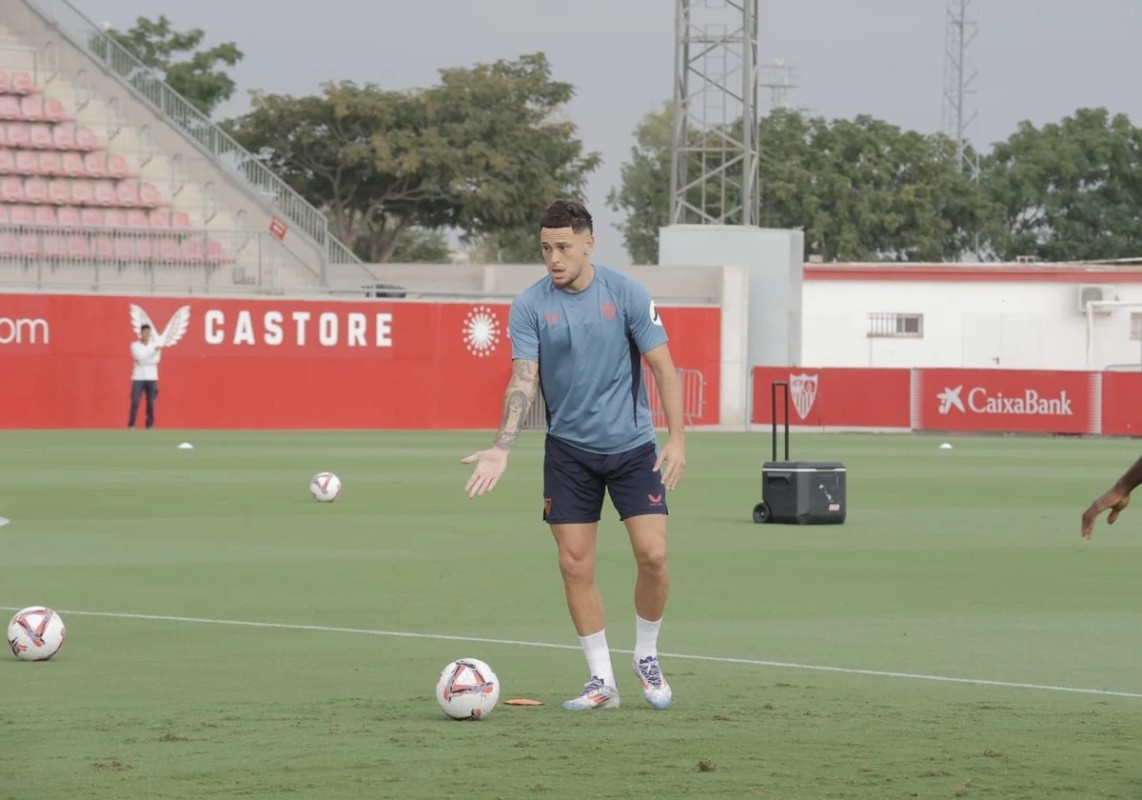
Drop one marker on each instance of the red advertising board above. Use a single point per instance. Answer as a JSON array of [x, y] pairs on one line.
[[271, 363], [969, 400], [1122, 403], [827, 397], [1006, 400]]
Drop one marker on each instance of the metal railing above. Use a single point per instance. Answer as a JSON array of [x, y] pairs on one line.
[[56, 257], [693, 400], [149, 88]]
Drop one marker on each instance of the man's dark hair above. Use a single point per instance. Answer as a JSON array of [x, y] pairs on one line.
[[144, 327], [568, 214]]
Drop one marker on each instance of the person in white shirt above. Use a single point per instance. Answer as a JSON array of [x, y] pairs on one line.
[[146, 352]]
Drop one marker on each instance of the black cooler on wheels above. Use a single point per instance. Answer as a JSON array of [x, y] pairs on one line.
[[799, 492]]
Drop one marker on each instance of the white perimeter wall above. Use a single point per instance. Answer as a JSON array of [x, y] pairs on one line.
[[969, 323]]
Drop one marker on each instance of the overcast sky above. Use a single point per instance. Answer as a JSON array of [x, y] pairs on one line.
[[1038, 60]]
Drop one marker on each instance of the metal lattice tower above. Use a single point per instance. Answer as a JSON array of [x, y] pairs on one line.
[[959, 77], [714, 156]]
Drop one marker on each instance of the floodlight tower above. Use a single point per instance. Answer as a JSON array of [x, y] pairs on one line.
[[714, 155], [959, 78]]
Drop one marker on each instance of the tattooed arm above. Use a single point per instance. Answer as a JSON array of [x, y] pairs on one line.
[[517, 400], [491, 463]]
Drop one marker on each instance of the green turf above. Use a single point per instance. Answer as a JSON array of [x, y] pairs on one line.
[[957, 564]]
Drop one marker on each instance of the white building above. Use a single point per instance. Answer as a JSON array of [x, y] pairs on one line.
[[1012, 316]]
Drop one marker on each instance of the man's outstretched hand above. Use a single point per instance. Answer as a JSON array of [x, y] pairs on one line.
[[1115, 498], [490, 465]]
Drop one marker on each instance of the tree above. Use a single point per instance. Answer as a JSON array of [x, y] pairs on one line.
[[200, 77], [482, 152], [1068, 191], [861, 189], [645, 190]]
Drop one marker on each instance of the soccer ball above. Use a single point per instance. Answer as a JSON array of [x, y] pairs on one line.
[[467, 689], [325, 487], [35, 634]]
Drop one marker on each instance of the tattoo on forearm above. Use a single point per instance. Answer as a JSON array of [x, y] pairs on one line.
[[521, 389]]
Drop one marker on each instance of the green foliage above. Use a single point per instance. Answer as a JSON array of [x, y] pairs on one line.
[[645, 190], [865, 190], [198, 75], [482, 152], [1069, 190]]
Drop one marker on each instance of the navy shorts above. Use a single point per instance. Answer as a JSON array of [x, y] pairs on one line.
[[574, 481]]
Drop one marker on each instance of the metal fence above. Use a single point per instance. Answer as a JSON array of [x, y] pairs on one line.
[[693, 400]]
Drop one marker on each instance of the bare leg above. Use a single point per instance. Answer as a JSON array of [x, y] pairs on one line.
[[576, 543], [648, 540]]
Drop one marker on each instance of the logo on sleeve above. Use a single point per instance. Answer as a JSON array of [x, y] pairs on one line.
[[657, 320]]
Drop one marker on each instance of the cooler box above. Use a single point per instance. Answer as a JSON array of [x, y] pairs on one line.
[[802, 493]]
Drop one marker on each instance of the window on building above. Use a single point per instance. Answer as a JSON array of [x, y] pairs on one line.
[[905, 326]]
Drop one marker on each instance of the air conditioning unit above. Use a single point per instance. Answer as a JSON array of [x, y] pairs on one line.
[[1095, 293]]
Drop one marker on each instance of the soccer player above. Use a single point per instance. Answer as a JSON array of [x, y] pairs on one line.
[[1116, 498], [578, 335]]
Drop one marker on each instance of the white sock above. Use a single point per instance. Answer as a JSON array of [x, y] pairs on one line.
[[598, 656], [645, 637]]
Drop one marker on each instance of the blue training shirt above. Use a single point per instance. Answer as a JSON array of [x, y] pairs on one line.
[[589, 346]]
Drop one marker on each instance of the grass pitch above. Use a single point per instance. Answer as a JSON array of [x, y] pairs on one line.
[[229, 637]]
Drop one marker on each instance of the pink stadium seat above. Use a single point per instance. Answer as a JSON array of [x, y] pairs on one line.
[[95, 165], [5, 82], [3, 215], [180, 219], [27, 162], [36, 190], [22, 83], [71, 216], [42, 137], [114, 218], [85, 139], [82, 193], [7, 162], [74, 165], [18, 135], [32, 108], [10, 108], [45, 215], [128, 194], [149, 196], [137, 218], [12, 190], [55, 112], [53, 247], [104, 248], [104, 193], [160, 218], [193, 251], [63, 137], [125, 249], [214, 253], [51, 163], [9, 246], [145, 249], [78, 248], [22, 215], [168, 250], [29, 245], [59, 191], [117, 166]]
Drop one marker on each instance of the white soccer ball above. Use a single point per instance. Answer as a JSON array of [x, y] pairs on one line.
[[467, 689], [325, 487], [35, 633]]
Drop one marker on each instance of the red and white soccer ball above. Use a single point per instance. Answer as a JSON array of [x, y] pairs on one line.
[[325, 487], [35, 633], [467, 689]]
